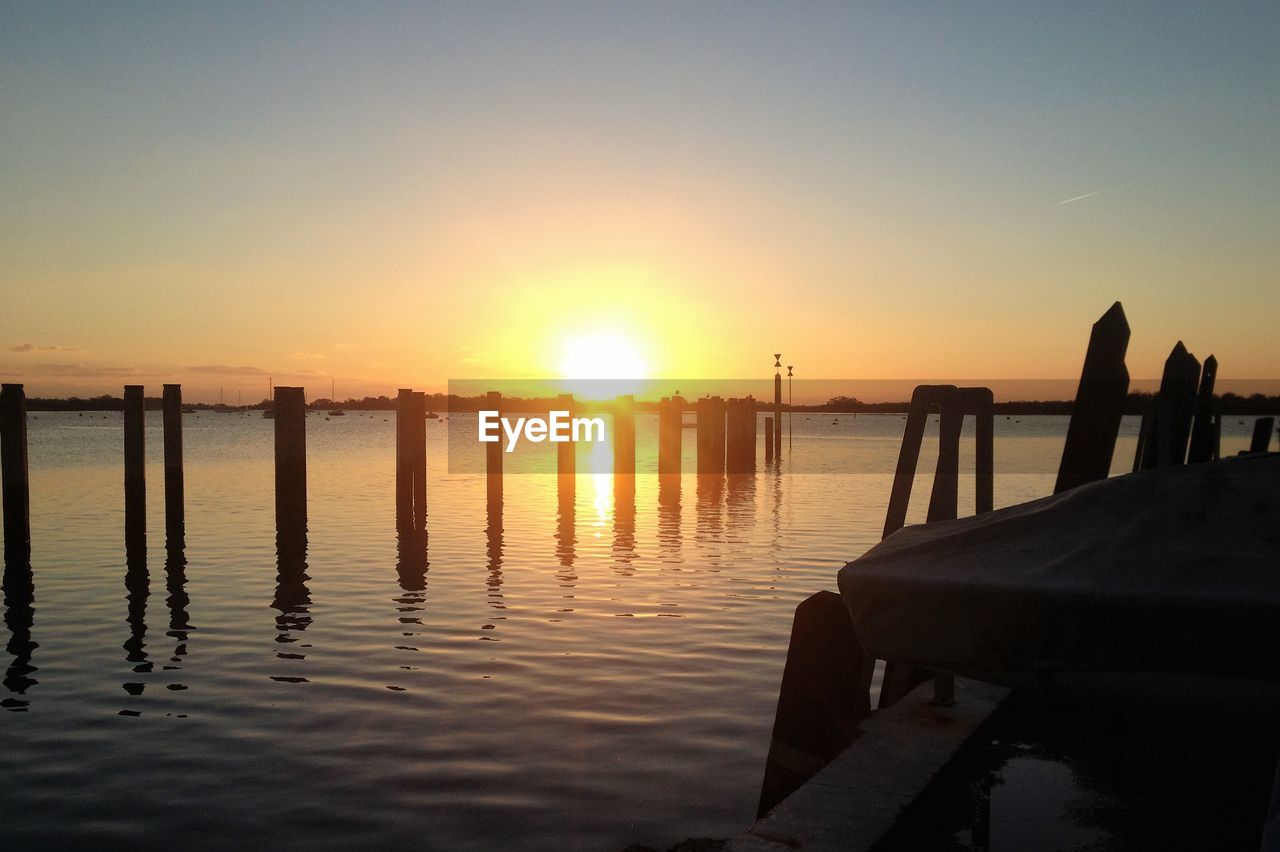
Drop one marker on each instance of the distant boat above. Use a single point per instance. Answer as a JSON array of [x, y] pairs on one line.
[[268, 414], [337, 412], [431, 415]]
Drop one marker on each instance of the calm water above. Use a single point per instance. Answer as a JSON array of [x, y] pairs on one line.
[[574, 676]]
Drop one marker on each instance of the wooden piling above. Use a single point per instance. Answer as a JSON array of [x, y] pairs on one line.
[[740, 436], [624, 435], [777, 416], [14, 472], [567, 451], [418, 453], [404, 461], [1099, 405], [1202, 429], [1262, 428], [1165, 437], [174, 499], [670, 429], [493, 451], [710, 435], [825, 693], [768, 440], [291, 463], [135, 461]]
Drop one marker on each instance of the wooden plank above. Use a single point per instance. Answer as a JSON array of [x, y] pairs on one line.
[[1202, 429]]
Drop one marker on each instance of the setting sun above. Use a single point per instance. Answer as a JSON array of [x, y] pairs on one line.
[[602, 356]]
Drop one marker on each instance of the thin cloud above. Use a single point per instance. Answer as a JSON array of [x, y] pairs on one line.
[[1091, 194], [309, 356], [224, 370], [31, 347]]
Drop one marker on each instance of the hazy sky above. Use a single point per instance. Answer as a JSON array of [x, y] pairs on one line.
[[400, 194]]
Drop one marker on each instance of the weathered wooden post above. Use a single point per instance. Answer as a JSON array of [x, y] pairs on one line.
[[624, 435], [493, 451], [711, 444], [418, 453], [13, 471], [1099, 405], [404, 464], [291, 467], [1202, 429], [768, 440], [135, 461], [670, 427], [825, 693], [567, 451], [174, 501], [777, 407], [1261, 441], [740, 436], [1165, 435]]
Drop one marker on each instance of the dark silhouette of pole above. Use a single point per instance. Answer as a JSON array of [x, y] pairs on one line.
[[777, 404], [670, 427], [1202, 430], [135, 460], [14, 472], [740, 436], [493, 452], [790, 406], [1261, 441], [624, 435], [291, 468], [404, 463], [418, 453], [1099, 405], [566, 451], [174, 499], [711, 443]]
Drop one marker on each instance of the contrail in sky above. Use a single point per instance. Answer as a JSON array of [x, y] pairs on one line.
[[1091, 194]]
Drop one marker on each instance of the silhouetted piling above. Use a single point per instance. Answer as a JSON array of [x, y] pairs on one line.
[[1168, 428], [418, 454], [624, 435], [768, 440], [740, 436], [493, 451], [825, 693], [135, 460], [13, 471], [1099, 405], [776, 444], [174, 500], [1202, 430], [404, 463], [1262, 428], [711, 438], [670, 427], [567, 451], [291, 467]]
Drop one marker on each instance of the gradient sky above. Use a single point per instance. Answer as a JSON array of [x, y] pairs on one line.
[[400, 194]]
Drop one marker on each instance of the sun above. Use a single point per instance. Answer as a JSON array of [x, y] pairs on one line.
[[602, 364]]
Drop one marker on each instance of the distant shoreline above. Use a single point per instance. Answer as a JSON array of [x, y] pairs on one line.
[[1135, 404]]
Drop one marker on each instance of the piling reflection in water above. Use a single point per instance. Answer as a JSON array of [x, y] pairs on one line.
[[292, 600], [177, 601], [137, 583], [411, 570], [709, 514], [669, 517], [740, 504], [624, 523], [566, 541], [19, 618], [493, 553]]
